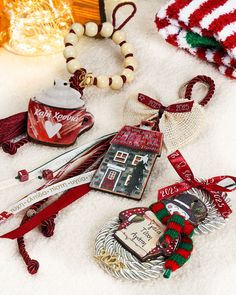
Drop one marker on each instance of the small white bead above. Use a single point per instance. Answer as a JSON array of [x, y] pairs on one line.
[[107, 30], [71, 38], [129, 74], [118, 37], [91, 29], [102, 81], [127, 48], [69, 51], [117, 82], [78, 29], [130, 61], [73, 65]]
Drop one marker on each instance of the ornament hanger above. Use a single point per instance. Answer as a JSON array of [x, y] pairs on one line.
[[81, 77]]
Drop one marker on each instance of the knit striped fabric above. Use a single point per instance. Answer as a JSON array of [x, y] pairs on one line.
[[204, 28], [176, 226]]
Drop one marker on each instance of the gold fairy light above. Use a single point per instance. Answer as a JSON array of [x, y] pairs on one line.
[[37, 27]]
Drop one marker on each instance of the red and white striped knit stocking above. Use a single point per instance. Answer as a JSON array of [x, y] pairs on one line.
[[205, 28]]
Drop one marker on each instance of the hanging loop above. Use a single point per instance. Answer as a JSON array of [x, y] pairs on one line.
[[128, 18], [188, 88]]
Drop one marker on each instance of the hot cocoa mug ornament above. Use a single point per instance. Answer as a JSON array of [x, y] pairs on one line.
[[144, 243], [57, 116]]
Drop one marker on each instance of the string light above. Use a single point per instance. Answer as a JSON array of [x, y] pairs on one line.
[[37, 27]]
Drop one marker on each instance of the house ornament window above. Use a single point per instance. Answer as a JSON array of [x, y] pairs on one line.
[[121, 157]]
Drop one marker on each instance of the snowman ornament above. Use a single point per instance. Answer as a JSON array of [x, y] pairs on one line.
[[145, 243]]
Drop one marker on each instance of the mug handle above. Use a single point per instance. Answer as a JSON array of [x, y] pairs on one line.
[[88, 121]]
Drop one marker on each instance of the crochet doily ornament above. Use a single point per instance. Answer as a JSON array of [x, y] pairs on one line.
[[120, 263]]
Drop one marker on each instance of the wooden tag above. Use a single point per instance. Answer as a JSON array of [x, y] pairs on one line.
[[139, 233], [127, 164]]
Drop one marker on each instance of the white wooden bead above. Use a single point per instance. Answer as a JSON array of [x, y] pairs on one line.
[[102, 81], [118, 37], [117, 82], [78, 29], [69, 51], [107, 30], [129, 74], [130, 61], [71, 38], [91, 29], [73, 65], [127, 48]]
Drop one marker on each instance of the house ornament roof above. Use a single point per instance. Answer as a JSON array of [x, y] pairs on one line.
[[140, 139]]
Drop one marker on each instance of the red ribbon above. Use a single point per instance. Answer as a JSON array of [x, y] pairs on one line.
[[211, 186], [65, 200], [181, 107]]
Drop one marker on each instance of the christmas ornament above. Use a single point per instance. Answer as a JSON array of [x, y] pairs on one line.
[[127, 164], [56, 116], [181, 122], [205, 29], [144, 243], [81, 77], [37, 27]]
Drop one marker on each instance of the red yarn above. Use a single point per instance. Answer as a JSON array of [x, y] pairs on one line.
[[13, 126], [12, 147], [128, 18], [204, 79], [48, 226], [32, 264], [188, 228]]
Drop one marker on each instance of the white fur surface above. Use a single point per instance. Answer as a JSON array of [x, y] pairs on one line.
[[66, 260]]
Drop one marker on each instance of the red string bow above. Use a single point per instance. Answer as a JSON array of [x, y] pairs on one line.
[[180, 107], [214, 186]]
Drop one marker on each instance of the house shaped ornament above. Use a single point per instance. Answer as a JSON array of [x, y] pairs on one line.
[[127, 165]]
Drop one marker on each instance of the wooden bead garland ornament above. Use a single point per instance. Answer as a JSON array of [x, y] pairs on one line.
[[82, 78], [144, 243]]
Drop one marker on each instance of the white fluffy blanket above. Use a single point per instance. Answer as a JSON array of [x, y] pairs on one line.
[[67, 262]]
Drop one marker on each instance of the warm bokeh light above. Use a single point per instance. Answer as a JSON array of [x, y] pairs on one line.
[[4, 25], [37, 27]]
